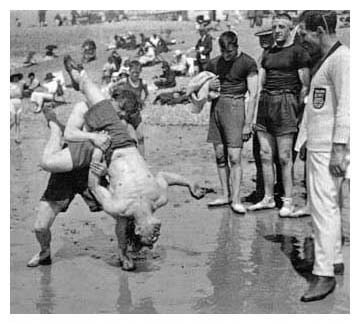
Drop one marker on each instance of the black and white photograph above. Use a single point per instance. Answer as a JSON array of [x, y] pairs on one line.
[[179, 161]]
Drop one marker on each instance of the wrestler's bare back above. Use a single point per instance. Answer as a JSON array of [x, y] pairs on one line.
[[131, 181]]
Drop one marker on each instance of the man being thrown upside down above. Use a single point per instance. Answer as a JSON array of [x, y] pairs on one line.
[[133, 192]]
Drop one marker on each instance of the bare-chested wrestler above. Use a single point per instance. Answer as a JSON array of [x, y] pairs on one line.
[[133, 192]]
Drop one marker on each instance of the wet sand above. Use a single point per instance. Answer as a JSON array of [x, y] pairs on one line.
[[206, 260]]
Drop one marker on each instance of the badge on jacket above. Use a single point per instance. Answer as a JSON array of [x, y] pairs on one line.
[[319, 97]]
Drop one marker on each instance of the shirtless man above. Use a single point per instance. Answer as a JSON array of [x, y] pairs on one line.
[[133, 192]]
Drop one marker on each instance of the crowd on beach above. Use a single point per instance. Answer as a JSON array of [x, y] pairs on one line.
[[293, 101]]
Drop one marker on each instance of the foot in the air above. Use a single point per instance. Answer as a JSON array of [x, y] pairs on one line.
[[319, 288], [73, 69], [41, 258], [51, 117]]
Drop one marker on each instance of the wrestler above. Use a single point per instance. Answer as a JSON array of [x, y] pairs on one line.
[[133, 192]]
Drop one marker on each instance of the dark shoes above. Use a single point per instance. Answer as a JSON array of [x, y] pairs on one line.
[[319, 289], [70, 65]]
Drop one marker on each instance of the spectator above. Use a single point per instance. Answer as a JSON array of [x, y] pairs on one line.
[[16, 95], [49, 54], [266, 40], [167, 78], [179, 64], [58, 20], [47, 92], [229, 124], [284, 79], [31, 85], [74, 16], [149, 56], [117, 59], [42, 18], [108, 69], [203, 48], [88, 51], [325, 132], [139, 87]]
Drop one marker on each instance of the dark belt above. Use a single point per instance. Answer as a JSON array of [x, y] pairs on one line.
[[232, 96], [279, 92]]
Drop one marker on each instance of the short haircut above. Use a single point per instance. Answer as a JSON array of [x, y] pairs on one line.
[[228, 38], [282, 15], [131, 101], [31, 74], [134, 64], [313, 19]]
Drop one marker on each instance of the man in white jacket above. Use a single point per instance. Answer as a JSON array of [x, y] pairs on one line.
[[325, 131]]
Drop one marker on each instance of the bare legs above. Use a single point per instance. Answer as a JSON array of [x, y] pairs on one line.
[[45, 218], [282, 146], [224, 176], [15, 121], [228, 162]]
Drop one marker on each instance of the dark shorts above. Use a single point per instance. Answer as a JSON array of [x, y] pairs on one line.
[[103, 116], [62, 188], [278, 113], [81, 154], [227, 118], [135, 119]]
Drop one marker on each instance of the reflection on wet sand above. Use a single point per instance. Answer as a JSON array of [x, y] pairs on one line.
[[259, 266], [45, 302], [124, 303]]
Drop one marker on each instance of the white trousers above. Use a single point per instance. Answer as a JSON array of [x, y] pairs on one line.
[[323, 196]]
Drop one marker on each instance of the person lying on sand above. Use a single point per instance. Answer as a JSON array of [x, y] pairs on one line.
[[133, 192]]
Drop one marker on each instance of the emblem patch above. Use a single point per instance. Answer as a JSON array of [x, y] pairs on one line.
[[319, 97]]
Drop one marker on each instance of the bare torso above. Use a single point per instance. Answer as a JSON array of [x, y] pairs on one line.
[[131, 180]]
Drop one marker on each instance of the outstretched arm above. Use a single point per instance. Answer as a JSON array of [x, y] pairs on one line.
[[172, 179]]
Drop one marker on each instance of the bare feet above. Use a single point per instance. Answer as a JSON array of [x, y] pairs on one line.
[[126, 262], [41, 258], [220, 201]]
